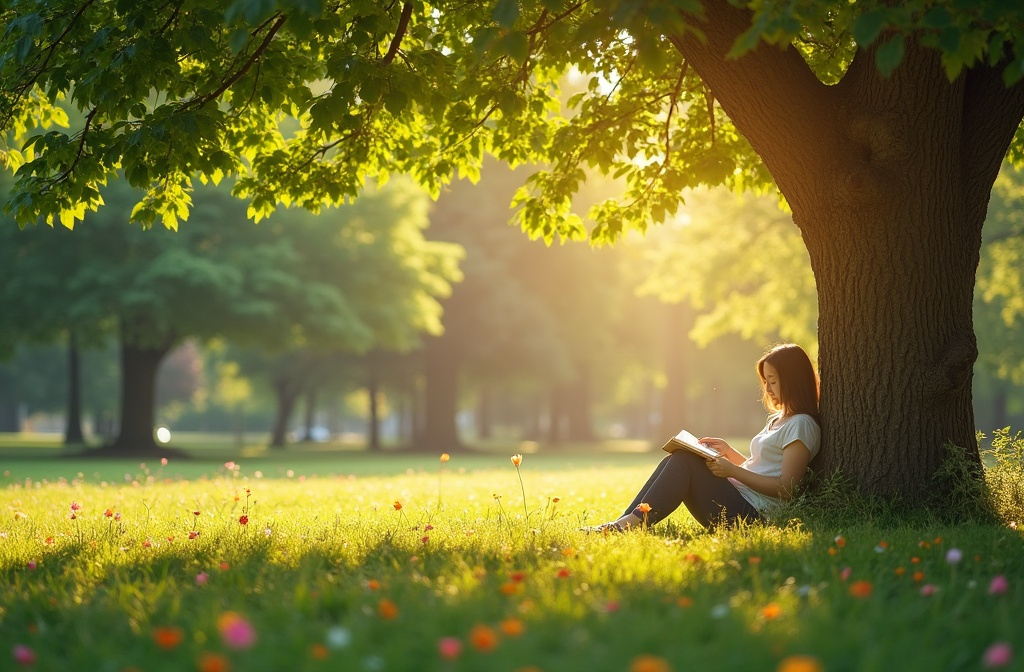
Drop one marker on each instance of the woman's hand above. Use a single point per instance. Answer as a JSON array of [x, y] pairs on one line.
[[715, 443], [721, 466]]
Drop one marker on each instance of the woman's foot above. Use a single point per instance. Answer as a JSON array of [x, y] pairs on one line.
[[603, 528]]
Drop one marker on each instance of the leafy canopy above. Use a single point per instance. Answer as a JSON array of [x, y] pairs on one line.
[[305, 100]]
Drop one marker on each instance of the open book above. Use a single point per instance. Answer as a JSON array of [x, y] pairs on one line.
[[686, 441]]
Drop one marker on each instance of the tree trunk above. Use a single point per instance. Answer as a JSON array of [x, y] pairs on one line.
[[373, 422], [286, 393], [9, 421], [139, 366], [888, 179], [310, 419], [440, 433], [73, 434], [999, 402]]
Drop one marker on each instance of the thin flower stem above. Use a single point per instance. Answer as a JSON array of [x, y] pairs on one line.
[[520, 474]]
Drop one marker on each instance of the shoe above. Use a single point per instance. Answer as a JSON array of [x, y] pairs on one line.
[[603, 528]]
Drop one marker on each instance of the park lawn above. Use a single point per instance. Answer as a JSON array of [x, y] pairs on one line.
[[462, 566]]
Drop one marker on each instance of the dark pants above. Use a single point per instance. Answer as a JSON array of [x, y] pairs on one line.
[[684, 478]]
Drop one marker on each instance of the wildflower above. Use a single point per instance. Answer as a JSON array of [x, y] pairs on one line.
[[644, 507], [517, 577], [196, 513], [318, 651], [512, 627], [168, 638], [24, 655], [338, 637], [147, 544], [31, 564], [720, 611], [954, 555], [428, 527], [449, 648], [213, 662], [517, 460], [918, 577], [202, 578], [397, 505], [483, 638], [230, 466], [445, 457], [193, 534], [163, 461], [648, 663], [75, 506], [108, 513], [800, 663], [693, 557], [117, 516], [611, 606], [860, 589], [268, 532], [771, 611], [840, 541], [236, 631], [999, 654], [998, 585], [564, 573], [387, 609], [754, 560], [555, 500], [373, 584], [509, 588], [684, 602], [929, 589], [845, 573], [425, 539], [243, 520]]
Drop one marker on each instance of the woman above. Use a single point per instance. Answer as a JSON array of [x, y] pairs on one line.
[[731, 487]]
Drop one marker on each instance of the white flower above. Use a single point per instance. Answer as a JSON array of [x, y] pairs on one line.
[[954, 555], [720, 611], [338, 637]]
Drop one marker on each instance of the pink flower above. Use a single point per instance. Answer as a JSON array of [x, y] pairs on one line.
[[999, 654], [117, 516], [929, 589], [31, 564], [428, 527], [449, 647], [998, 586], [201, 578], [23, 655], [163, 461], [236, 631], [75, 506], [845, 573], [425, 539]]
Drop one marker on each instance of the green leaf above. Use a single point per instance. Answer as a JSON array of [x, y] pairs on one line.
[[396, 101], [506, 13], [889, 55], [515, 45], [868, 26]]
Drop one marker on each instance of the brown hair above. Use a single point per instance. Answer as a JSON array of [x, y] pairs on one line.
[[798, 382]]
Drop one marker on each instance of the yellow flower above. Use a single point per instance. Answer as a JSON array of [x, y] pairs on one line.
[[445, 457], [517, 459]]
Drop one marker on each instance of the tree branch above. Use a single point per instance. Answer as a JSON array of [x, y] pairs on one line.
[[396, 41]]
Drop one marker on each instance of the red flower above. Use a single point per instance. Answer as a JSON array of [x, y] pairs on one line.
[[243, 520]]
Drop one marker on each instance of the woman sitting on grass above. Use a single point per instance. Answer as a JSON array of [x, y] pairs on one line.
[[730, 487]]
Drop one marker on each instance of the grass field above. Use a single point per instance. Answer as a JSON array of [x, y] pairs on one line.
[[351, 562]]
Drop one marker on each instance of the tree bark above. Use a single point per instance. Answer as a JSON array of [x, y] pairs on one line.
[[310, 417], [139, 366], [441, 369], [9, 420], [373, 422], [888, 180], [484, 413], [286, 392], [73, 434]]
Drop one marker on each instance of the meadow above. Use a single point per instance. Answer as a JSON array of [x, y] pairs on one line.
[[353, 562]]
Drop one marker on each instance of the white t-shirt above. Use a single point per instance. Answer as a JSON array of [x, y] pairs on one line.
[[766, 452]]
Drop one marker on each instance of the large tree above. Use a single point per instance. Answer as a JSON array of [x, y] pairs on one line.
[[883, 125]]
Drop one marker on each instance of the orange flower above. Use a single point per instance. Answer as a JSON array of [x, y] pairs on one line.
[[771, 611], [387, 609], [918, 577], [213, 662], [517, 459], [644, 507], [900, 571], [373, 584], [684, 602], [509, 588], [648, 663], [799, 664], [483, 638], [318, 651], [754, 560], [564, 573], [831, 550], [860, 588], [840, 541], [397, 505], [445, 457], [512, 627], [168, 638]]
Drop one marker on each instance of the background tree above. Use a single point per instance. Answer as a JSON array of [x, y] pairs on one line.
[[882, 126]]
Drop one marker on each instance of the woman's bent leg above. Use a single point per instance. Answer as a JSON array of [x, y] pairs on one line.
[[684, 478], [647, 486]]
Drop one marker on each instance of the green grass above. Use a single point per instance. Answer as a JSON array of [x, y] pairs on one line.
[[325, 556]]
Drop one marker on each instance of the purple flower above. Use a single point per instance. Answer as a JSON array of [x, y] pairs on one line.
[[954, 555], [998, 586], [999, 654]]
